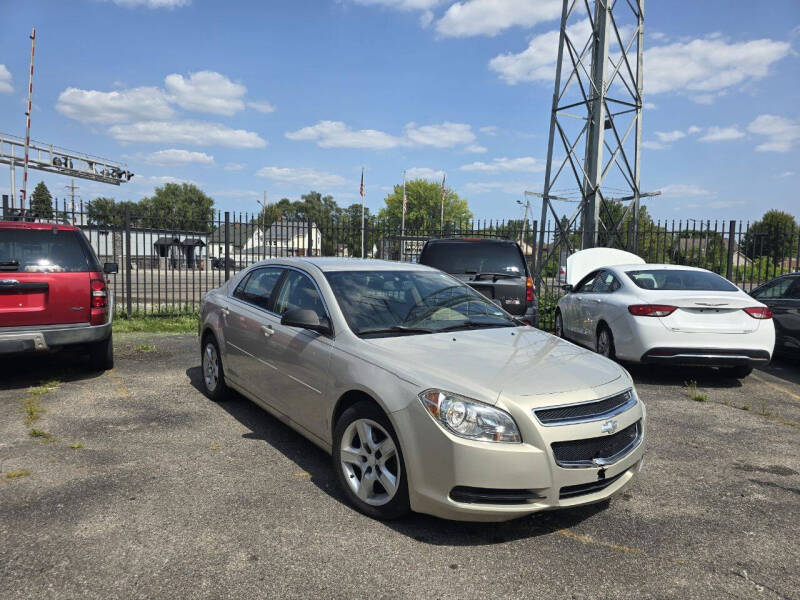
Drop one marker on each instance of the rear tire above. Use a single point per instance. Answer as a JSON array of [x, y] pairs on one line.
[[737, 372], [211, 372], [362, 468], [559, 327], [605, 342], [101, 354]]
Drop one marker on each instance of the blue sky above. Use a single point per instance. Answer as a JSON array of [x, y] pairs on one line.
[[246, 97]]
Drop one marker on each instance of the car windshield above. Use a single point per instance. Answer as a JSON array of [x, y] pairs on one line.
[[379, 303], [461, 257], [42, 251], [675, 279]]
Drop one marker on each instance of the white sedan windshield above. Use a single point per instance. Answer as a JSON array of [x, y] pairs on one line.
[[411, 302]]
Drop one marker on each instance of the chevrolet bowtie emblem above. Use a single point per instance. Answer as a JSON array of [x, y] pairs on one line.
[[609, 426]]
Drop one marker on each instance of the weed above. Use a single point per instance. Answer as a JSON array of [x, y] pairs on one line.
[[42, 435], [18, 473], [764, 412], [76, 445], [144, 348], [30, 403], [181, 323], [691, 389], [745, 407], [214, 447]]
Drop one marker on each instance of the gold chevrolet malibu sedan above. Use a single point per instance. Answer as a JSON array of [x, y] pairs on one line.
[[428, 396]]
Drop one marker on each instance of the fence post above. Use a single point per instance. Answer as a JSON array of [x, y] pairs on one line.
[[534, 228], [128, 266], [227, 245], [731, 242], [310, 228]]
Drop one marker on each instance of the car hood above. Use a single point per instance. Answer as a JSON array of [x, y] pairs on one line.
[[519, 363]]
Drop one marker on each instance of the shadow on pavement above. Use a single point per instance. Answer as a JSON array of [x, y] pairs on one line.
[[784, 367], [678, 376], [423, 528], [26, 370]]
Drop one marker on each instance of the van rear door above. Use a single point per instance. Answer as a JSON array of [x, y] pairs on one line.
[[45, 276]]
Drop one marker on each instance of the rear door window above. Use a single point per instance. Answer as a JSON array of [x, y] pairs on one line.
[[587, 283], [776, 289], [481, 257], [605, 283], [44, 251]]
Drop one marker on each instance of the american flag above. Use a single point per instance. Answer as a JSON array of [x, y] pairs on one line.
[[362, 182]]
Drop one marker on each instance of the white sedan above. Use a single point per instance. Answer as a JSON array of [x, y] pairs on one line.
[[652, 313]]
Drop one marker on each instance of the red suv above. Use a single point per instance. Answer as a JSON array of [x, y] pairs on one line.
[[53, 292]]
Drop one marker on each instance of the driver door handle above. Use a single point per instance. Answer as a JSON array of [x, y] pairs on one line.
[[267, 330]]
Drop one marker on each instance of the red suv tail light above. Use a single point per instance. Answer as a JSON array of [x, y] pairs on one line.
[[99, 293], [530, 295], [651, 310], [759, 312]]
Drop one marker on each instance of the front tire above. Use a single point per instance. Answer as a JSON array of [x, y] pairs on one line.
[[212, 373], [737, 372], [101, 354], [369, 462], [559, 325], [605, 342]]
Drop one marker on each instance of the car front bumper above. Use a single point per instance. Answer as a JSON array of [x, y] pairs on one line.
[[14, 340], [459, 479]]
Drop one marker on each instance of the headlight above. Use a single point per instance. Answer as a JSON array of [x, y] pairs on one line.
[[469, 418]]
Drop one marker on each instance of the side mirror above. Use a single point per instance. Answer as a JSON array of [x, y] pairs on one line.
[[305, 318], [566, 287], [110, 268]]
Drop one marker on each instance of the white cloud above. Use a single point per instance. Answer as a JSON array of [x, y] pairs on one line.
[[402, 4], [262, 107], [336, 134], [234, 166], [174, 157], [705, 68], [786, 174], [301, 176], [490, 130], [694, 129], [444, 135], [490, 17], [781, 133], [148, 180], [651, 145], [206, 91], [197, 133], [424, 173], [685, 190], [666, 137], [152, 3], [538, 61], [92, 106], [709, 65], [524, 163], [476, 149], [493, 187], [5, 80], [722, 134]]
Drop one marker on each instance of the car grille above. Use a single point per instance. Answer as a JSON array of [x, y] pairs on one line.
[[606, 449], [582, 489], [586, 411]]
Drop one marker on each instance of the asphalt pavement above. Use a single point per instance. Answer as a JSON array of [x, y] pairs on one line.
[[137, 486]]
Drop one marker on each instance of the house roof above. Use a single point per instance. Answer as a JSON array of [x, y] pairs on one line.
[[167, 241], [238, 234], [285, 229], [192, 242]]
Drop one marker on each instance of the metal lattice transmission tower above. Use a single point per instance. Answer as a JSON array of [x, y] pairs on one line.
[[595, 124]]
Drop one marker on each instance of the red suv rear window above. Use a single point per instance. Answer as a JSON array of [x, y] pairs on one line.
[[44, 251]]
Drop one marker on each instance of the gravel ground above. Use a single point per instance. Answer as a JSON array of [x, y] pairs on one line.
[[172, 495]]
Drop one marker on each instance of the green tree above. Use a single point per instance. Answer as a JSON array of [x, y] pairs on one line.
[[42, 201], [424, 206], [181, 206], [773, 236], [106, 212]]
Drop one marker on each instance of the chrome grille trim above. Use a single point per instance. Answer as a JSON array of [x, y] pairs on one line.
[[605, 461], [626, 404]]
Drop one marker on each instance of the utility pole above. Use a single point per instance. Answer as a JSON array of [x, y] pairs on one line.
[[28, 126], [263, 204], [72, 187]]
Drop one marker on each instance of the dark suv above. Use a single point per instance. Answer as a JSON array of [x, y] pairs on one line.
[[53, 292], [496, 268]]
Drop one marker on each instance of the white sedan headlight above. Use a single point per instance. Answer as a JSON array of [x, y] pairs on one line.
[[469, 418]]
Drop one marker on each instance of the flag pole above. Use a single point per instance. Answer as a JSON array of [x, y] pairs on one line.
[[403, 223], [363, 193]]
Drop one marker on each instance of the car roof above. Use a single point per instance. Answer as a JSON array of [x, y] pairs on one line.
[[471, 240], [36, 225], [335, 263], [651, 266]]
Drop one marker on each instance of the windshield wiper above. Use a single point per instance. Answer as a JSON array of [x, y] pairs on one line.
[[491, 274], [475, 324], [394, 329]]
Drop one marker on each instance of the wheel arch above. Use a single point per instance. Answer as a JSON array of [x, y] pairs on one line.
[[351, 398]]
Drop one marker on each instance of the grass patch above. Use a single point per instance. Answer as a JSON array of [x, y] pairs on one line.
[[17, 474], [691, 390], [144, 348], [745, 407], [42, 435], [76, 445], [183, 323], [31, 405]]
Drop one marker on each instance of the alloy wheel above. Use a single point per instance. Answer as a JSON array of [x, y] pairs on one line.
[[210, 367], [559, 325], [369, 460], [604, 343]]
